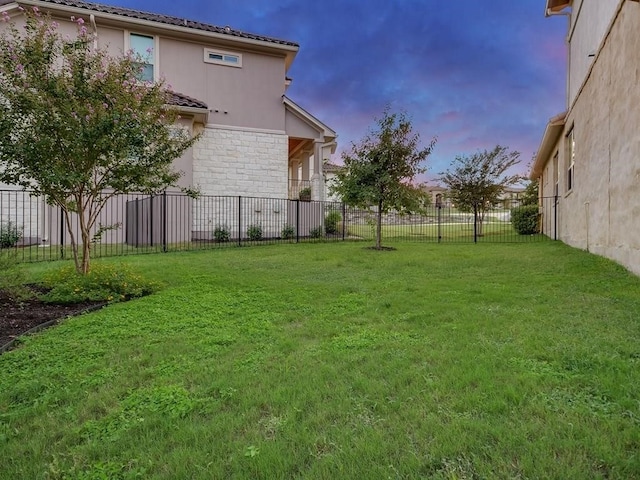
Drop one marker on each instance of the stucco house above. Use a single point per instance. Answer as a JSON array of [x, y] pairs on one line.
[[589, 155], [228, 84]]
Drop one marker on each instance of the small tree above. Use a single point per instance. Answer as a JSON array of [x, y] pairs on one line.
[[530, 194], [77, 126], [476, 182], [381, 169]]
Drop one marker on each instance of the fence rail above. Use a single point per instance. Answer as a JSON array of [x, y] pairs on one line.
[[133, 224]]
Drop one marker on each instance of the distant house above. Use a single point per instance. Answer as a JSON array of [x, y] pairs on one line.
[[329, 170], [256, 141], [510, 197], [589, 155]]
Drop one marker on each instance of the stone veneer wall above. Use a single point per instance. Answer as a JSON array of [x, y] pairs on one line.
[[234, 162]]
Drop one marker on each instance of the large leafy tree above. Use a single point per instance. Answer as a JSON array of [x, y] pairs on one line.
[[78, 127], [476, 182], [381, 170]]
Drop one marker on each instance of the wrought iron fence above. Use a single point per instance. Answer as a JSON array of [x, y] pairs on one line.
[[132, 224]]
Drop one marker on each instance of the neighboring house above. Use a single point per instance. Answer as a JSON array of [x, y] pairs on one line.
[[589, 156], [509, 198], [255, 140]]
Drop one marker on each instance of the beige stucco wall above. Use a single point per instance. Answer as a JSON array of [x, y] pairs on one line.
[[250, 96], [589, 23], [602, 212]]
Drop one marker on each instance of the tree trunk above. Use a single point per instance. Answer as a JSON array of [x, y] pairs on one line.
[[86, 252], [72, 237], [480, 221]]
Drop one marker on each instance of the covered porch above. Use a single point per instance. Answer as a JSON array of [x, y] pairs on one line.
[[311, 143]]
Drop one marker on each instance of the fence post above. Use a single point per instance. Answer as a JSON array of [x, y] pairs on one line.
[[555, 217], [439, 207], [475, 224], [297, 220], [239, 220], [164, 221], [344, 221], [151, 243], [61, 232]]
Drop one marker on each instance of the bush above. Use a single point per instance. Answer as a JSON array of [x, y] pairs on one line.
[[525, 219], [315, 232], [287, 232], [110, 283], [221, 234], [10, 233], [305, 194], [331, 222], [254, 232]]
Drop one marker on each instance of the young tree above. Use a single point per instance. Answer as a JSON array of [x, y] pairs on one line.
[[78, 127], [530, 194], [476, 182], [381, 169]]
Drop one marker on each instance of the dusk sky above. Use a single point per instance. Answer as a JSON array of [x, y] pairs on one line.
[[472, 73]]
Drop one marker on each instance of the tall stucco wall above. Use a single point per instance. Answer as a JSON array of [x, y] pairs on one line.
[[602, 212], [589, 22]]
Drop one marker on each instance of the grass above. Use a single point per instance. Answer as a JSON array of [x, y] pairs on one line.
[[492, 231], [330, 361]]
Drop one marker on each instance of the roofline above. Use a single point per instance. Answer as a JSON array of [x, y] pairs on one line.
[[290, 49], [552, 132], [304, 115], [555, 7]]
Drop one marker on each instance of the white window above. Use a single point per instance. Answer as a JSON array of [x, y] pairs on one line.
[[220, 57], [144, 48], [570, 156]]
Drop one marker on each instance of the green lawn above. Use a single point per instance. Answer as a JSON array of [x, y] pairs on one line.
[[492, 231], [331, 361]]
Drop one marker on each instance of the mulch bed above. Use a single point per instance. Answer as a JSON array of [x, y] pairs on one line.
[[18, 317]]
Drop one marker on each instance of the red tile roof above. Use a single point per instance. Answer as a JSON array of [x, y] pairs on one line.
[[159, 18]]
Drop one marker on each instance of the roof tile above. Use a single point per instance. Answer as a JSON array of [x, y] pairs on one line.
[[165, 19]]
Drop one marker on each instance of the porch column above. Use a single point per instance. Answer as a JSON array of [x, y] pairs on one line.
[[317, 183], [294, 166], [304, 159]]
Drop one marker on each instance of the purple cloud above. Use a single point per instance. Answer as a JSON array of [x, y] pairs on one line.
[[475, 74]]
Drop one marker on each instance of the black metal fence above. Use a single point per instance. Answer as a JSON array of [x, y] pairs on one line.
[[132, 224]]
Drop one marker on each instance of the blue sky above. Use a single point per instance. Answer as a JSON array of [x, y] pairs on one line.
[[472, 73]]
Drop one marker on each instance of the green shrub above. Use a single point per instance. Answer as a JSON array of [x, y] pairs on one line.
[[221, 234], [305, 194], [316, 232], [525, 219], [254, 232], [10, 233], [110, 283], [287, 232], [331, 222]]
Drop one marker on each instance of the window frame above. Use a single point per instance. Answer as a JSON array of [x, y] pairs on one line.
[[155, 60], [569, 160], [223, 54]]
